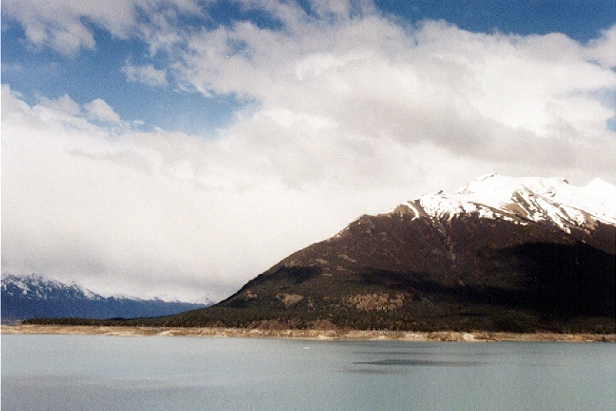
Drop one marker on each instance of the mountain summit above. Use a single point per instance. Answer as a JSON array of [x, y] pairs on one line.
[[551, 202], [501, 254], [548, 200]]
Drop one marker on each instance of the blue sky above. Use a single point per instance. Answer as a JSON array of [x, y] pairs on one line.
[[181, 147], [580, 20]]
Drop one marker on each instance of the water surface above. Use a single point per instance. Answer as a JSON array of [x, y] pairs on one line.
[[86, 372]]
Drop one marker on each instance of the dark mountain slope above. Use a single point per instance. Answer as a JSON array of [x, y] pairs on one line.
[[400, 273]]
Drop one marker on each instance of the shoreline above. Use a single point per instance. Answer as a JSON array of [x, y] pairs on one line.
[[312, 334]]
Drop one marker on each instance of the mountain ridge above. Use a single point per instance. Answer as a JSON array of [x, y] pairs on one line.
[[552, 200], [548, 201], [37, 296]]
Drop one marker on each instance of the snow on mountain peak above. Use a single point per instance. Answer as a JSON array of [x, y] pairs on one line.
[[35, 285], [524, 199]]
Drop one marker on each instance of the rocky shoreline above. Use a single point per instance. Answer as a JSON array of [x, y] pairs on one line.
[[313, 334]]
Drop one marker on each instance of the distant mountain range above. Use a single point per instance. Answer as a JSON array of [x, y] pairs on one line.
[[35, 296], [501, 254]]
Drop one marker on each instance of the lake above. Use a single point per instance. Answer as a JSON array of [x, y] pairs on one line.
[[86, 372]]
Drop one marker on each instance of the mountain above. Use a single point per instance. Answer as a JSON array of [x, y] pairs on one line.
[[501, 254], [35, 296]]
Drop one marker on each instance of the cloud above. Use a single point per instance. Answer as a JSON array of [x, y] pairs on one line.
[[59, 25], [143, 212], [70, 113], [63, 105], [148, 213], [99, 110], [374, 81], [603, 49], [66, 25], [145, 74], [350, 113]]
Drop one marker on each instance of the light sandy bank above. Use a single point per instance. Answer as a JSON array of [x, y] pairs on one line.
[[304, 334]]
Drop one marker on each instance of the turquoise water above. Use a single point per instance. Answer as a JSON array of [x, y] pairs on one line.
[[61, 372]]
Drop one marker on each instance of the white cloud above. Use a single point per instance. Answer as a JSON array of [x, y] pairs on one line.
[[603, 49], [479, 95], [147, 212], [65, 25], [99, 110], [58, 24], [63, 104], [147, 74], [66, 111]]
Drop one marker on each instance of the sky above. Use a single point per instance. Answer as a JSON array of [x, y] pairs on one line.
[[179, 148]]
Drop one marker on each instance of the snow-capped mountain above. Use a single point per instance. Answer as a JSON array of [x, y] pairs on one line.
[[38, 287], [502, 253], [35, 296], [544, 200], [554, 202]]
